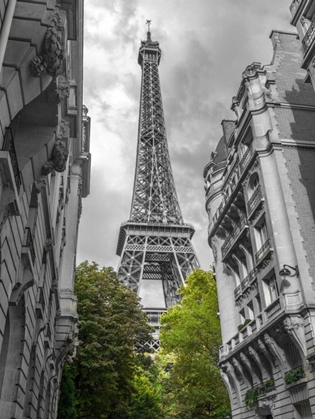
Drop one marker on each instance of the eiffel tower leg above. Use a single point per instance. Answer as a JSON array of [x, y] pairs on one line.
[[131, 263]]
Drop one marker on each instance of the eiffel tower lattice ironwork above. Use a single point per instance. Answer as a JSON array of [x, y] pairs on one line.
[[155, 243]]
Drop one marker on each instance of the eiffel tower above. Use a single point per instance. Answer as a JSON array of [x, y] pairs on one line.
[[155, 243]]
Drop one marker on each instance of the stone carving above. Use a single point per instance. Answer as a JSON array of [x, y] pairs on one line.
[[273, 347], [39, 185], [265, 352], [63, 88], [238, 367], [50, 61], [245, 361], [58, 159], [266, 405], [236, 108], [54, 286], [292, 325], [256, 357]]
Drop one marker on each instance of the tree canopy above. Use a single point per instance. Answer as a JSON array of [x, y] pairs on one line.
[[111, 326], [191, 334], [112, 374]]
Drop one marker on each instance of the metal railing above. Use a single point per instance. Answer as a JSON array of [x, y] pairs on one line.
[[254, 200], [238, 291], [233, 236], [245, 283], [309, 36], [263, 252], [245, 159]]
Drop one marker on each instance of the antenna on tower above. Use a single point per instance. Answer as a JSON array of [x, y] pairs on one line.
[[148, 22]]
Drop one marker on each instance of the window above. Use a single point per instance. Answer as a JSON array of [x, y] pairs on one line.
[[250, 310], [270, 289], [242, 316], [261, 234], [258, 304]]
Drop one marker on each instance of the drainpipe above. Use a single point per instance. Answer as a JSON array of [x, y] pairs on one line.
[[5, 30]]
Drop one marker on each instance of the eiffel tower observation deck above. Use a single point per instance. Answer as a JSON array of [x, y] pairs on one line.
[[154, 244]]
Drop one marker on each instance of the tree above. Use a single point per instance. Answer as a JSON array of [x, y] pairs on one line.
[[191, 334], [111, 326], [67, 400]]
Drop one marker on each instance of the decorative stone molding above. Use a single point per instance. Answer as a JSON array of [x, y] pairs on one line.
[[25, 280], [293, 300], [4, 217], [275, 349], [238, 367], [246, 362], [39, 185], [236, 108], [51, 59], [265, 352], [251, 70], [63, 88], [58, 159], [257, 359], [266, 405], [294, 325]]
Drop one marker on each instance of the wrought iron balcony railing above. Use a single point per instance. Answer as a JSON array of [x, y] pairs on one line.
[[238, 292], [253, 202], [263, 252], [245, 284], [8, 146], [294, 6], [309, 36], [228, 243], [245, 159]]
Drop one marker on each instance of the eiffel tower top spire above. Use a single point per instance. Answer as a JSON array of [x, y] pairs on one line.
[[154, 195], [149, 33]]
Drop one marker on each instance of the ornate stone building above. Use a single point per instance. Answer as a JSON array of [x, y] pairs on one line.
[[44, 173], [303, 18], [260, 199]]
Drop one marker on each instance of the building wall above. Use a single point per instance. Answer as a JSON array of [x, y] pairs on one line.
[[259, 198], [44, 173]]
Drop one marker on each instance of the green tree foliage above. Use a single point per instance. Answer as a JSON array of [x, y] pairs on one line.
[[111, 326], [191, 335], [67, 400]]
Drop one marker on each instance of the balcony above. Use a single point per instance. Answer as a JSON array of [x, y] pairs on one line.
[[263, 253], [294, 6], [251, 328], [273, 308], [245, 159], [249, 279], [253, 203], [238, 292], [309, 37], [232, 238]]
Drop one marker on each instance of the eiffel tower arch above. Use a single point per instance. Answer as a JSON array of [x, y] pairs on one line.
[[154, 244]]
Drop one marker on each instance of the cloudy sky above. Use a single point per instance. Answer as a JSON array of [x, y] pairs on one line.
[[206, 45]]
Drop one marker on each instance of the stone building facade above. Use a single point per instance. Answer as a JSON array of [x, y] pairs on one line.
[[44, 174], [260, 199], [303, 18]]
